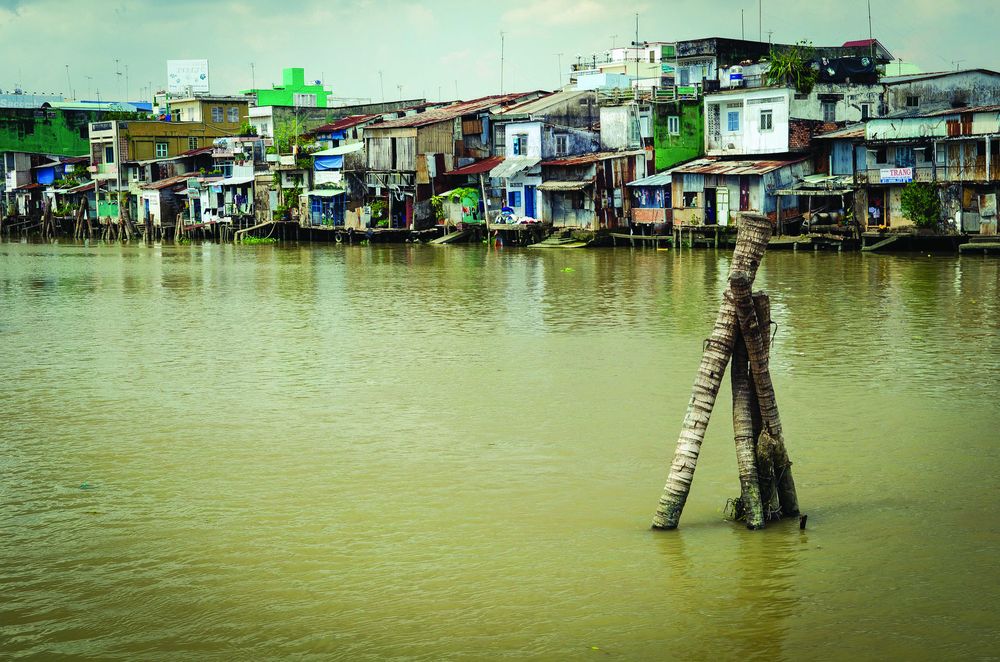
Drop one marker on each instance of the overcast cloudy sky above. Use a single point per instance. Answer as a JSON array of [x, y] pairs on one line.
[[435, 46]]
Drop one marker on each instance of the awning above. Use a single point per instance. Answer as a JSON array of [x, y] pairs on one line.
[[564, 186], [513, 165], [325, 193], [234, 181], [661, 179]]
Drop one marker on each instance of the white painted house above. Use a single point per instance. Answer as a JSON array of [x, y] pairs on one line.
[[519, 174], [747, 122]]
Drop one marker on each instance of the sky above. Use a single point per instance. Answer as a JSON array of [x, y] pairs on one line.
[[434, 49]]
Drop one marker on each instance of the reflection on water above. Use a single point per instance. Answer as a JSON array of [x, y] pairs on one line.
[[367, 452]]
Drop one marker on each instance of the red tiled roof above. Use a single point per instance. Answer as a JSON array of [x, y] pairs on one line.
[[585, 159], [478, 167], [196, 152], [859, 42]]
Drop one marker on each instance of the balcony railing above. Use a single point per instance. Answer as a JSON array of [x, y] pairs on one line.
[[974, 171]]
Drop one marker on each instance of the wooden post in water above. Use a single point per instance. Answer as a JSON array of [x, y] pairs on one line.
[[770, 446], [751, 242], [745, 436]]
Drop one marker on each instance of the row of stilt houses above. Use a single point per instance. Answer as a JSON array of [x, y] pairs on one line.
[[661, 143]]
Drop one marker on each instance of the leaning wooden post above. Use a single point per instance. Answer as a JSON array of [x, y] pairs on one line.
[[771, 443], [751, 242], [752, 509]]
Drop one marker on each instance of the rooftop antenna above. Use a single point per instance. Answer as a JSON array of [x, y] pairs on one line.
[[636, 55], [381, 87], [559, 55], [126, 84], [501, 63], [613, 37], [253, 77], [760, 20], [956, 63], [70, 83], [871, 39], [743, 26], [399, 86]]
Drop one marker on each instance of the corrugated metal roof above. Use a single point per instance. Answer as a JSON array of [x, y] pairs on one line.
[[477, 167], [451, 112], [325, 192], [29, 187], [348, 122], [659, 179], [513, 165], [854, 131], [555, 185], [170, 181], [350, 148], [969, 109], [716, 167], [891, 80], [542, 104], [593, 157], [235, 181]]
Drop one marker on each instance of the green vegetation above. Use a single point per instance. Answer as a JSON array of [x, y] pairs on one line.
[[921, 204], [379, 210], [793, 66], [248, 129], [256, 241]]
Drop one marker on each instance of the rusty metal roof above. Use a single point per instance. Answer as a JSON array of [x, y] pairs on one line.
[[477, 167], [717, 167], [343, 124], [455, 110], [848, 132], [995, 108], [593, 157], [169, 181]]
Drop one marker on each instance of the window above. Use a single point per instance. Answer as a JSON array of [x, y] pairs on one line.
[[109, 154], [161, 150], [881, 155], [652, 57], [905, 157], [829, 111], [941, 153], [520, 144], [912, 101], [192, 142], [576, 200], [866, 111], [674, 125], [733, 121], [562, 144], [767, 120], [216, 113], [234, 114], [691, 199], [514, 199]]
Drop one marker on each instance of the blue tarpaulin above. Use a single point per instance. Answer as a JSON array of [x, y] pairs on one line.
[[329, 163]]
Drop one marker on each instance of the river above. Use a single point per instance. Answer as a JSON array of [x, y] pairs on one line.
[[365, 452]]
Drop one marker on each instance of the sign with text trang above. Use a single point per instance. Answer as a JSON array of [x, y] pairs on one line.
[[187, 76], [896, 175]]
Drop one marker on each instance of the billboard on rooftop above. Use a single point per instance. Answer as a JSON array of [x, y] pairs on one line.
[[187, 76]]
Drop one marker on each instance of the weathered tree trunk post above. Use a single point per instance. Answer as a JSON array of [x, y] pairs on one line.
[[751, 242], [771, 442], [745, 437]]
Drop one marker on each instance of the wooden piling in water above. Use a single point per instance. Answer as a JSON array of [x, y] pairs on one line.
[[751, 242]]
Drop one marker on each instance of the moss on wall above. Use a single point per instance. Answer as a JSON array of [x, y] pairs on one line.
[[688, 144]]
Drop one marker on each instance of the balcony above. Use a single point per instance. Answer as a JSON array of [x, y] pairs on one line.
[[972, 172]]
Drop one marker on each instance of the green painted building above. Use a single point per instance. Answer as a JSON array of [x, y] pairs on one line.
[[293, 92], [46, 130], [678, 132]]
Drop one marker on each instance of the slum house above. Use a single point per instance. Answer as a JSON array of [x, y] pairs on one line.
[[711, 191], [588, 192], [163, 201], [919, 94], [957, 149], [652, 208], [557, 125], [475, 175], [406, 156]]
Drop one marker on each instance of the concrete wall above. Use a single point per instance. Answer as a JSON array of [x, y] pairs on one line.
[[688, 144], [49, 131], [749, 138]]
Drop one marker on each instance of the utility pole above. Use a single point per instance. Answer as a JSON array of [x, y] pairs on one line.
[[760, 20], [743, 27], [253, 77], [871, 39], [118, 72], [381, 87], [126, 84], [559, 55], [637, 55], [69, 82], [399, 86]]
